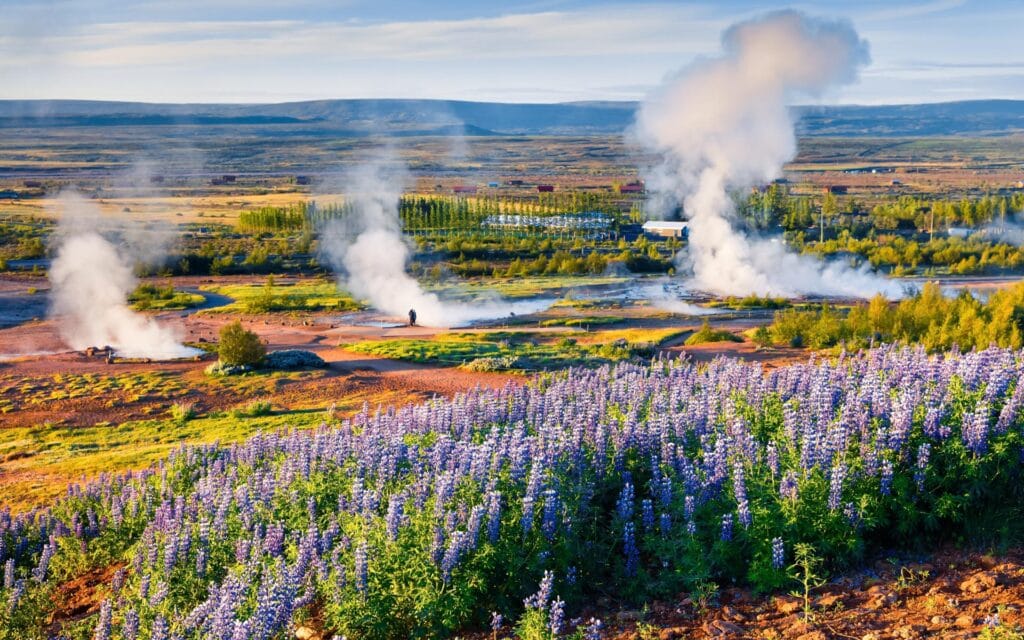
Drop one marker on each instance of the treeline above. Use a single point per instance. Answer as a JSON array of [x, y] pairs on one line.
[[927, 318], [419, 213], [960, 256], [774, 207], [276, 219], [922, 213]]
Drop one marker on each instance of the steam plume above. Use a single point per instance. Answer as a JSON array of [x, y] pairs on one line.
[[370, 255], [723, 124], [90, 282]]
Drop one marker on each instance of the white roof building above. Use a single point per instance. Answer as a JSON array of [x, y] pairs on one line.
[[667, 228]]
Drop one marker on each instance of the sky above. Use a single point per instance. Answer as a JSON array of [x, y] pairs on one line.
[[534, 51]]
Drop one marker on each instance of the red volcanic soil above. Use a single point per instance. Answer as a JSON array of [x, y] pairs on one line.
[[26, 381], [950, 595]]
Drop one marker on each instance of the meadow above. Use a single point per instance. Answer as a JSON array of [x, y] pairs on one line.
[[515, 506], [524, 350]]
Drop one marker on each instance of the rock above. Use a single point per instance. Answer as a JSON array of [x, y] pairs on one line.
[[305, 633], [725, 628], [870, 635], [628, 616], [289, 359], [813, 635], [964, 622], [829, 600], [909, 631], [879, 601], [670, 633], [938, 620], [977, 583], [787, 605], [731, 613]]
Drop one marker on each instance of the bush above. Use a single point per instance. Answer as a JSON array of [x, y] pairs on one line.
[[291, 359], [182, 412], [494, 363], [707, 334], [239, 346], [254, 409]]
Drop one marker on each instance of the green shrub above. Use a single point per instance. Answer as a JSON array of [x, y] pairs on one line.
[[707, 334], [239, 345], [182, 412], [254, 409]]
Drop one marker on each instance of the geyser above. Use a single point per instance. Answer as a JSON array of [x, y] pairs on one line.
[[723, 124], [90, 282], [370, 255]]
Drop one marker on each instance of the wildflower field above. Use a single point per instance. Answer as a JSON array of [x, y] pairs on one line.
[[518, 506]]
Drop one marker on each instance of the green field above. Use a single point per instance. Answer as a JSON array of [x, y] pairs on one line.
[[521, 350], [303, 295]]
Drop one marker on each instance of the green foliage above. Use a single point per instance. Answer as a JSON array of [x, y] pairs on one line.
[[155, 297], [1001, 631], [586, 321], [254, 409], [706, 334], [239, 346], [273, 296], [533, 625], [514, 351], [806, 570], [927, 318], [182, 412]]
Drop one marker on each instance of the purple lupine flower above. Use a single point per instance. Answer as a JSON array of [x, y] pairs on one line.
[[159, 594], [549, 523], [624, 506], [452, 554], [494, 516], [102, 629], [647, 514], [556, 616], [772, 454], [527, 518], [665, 491], [921, 468], [159, 629], [835, 494], [17, 590], [629, 548], [540, 599], [117, 582], [39, 573], [788, 487], [778, 553], [664, 524], [361, 567], [975, 429], [726, 534], [593, 629], [496, 621], [885, 482], [393, 519], [130, 626]]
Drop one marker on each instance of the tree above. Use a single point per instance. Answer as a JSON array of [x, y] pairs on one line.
[[239, 346]]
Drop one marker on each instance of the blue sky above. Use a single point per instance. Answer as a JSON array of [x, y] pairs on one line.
[[539, 51]]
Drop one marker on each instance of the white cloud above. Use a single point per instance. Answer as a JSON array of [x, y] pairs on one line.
[[628, 31]]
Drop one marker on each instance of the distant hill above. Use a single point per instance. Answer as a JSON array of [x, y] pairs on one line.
[[451, 117]]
